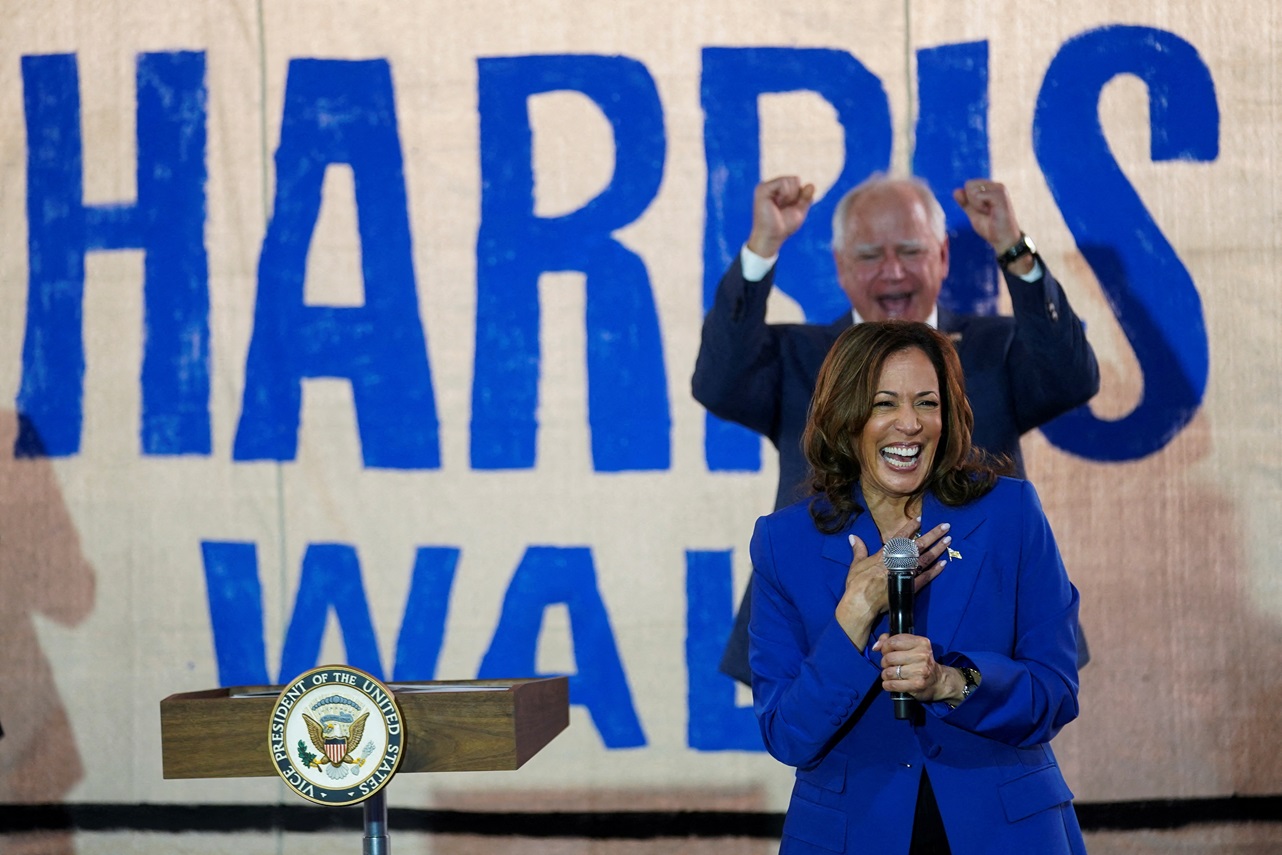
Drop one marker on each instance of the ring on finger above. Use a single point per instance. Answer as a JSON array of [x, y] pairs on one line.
[[899, 672]]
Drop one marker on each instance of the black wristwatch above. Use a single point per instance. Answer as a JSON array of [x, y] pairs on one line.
[[1024, 246], [971, 676]]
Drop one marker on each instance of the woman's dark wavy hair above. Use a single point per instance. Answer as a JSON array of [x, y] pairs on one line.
[[842, 404]]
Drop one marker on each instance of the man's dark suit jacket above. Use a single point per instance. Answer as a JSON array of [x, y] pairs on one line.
[[1020, 371]]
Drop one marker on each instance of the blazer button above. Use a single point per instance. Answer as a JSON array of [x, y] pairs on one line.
[[836, 720], [933, 751]]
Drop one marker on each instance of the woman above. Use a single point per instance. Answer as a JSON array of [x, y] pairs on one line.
[[993, 663]]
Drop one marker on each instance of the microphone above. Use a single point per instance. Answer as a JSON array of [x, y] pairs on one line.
[[900, 557]]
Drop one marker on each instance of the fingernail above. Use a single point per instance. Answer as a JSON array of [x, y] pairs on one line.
[[945, 526], [851, 538], [948, 540]]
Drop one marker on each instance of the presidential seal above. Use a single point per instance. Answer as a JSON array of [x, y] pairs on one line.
[[336, 735]]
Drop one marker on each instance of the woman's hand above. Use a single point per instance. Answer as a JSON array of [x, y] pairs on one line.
[[908, 666], [864, 599]]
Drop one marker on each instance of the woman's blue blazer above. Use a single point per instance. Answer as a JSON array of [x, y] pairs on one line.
[[1003, 604]]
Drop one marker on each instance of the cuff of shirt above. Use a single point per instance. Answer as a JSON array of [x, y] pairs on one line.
[[755, 267]]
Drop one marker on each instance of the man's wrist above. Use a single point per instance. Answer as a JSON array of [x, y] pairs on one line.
[[763, 245], [1026, 268], [1017, 256], [755, 266]]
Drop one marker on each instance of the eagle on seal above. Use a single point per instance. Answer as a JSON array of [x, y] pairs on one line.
[[333, 745]]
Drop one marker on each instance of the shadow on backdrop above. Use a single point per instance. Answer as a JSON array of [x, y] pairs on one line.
[[42, 571]]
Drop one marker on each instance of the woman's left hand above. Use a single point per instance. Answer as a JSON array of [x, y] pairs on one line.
[[908, 666]]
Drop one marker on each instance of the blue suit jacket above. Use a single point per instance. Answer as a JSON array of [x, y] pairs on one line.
[[1003, 604], [1021, 372]]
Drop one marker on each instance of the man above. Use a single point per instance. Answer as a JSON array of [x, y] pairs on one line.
[[890, 246]]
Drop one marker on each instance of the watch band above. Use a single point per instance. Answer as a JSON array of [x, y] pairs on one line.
[[1024, 246], [972, 680]]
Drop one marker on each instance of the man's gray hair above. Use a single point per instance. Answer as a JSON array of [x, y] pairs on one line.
[[934, 211]]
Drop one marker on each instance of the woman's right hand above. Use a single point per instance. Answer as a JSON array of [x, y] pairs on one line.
[[865, 598]]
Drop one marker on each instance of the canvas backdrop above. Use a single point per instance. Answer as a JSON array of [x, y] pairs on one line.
[[342, 331]]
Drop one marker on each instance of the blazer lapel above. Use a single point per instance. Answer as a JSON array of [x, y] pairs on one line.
[[949, 594], [941, 604], [836, 548]]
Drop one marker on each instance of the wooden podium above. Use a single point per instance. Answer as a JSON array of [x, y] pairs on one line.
[[460, 726]]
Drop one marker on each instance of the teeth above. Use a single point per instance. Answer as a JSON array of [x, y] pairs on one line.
[[901, 456]]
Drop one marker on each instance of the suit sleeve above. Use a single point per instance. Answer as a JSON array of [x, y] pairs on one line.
[[737, 373], [805, 692], [1051, 366], [1024, 699]]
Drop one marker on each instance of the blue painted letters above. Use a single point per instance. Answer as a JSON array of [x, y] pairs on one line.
[[628, 410], [167, 223], [1150, 290], [550, 575], [340, 112]]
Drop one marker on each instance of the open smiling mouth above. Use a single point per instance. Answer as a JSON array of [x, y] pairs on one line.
[[895, 305], [903, 457]]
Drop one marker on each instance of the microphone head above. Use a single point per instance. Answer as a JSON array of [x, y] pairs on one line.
[[900, 555]]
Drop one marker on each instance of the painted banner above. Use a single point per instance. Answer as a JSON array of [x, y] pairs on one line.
[[362, 332]]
